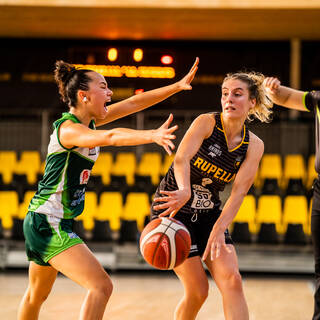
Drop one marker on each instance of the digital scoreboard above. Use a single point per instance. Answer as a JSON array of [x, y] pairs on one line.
[[131, 67]]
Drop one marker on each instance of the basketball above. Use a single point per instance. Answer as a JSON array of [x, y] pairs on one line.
[[165, 243]]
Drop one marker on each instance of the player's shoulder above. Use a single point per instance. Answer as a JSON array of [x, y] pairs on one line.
[[205, 119], [255, 142], [205, 122]]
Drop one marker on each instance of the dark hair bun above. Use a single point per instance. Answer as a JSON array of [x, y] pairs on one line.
[[62, 75]]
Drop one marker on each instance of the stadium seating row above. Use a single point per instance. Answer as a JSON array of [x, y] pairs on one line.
[[270, 220], [151, 164], [125, 163], [267, 219], [293, 168], [107, 214]]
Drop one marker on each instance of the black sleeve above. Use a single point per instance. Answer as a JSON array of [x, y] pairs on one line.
[[312, 100]]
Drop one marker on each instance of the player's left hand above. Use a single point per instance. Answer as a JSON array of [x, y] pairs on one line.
[[184, 83], [215, 244], [271, 84], [163, 135], [172, 201]]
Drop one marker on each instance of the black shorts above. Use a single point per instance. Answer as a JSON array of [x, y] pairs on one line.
[[199, 226]]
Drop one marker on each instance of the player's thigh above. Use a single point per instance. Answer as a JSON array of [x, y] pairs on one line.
[[192, 275], [80, 265]]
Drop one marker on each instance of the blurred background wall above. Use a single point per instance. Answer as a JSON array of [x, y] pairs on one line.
[[278, 38]]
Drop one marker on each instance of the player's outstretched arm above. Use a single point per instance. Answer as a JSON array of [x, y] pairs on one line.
[[284, 96], [149, 98], [173, 201], [76, 134]]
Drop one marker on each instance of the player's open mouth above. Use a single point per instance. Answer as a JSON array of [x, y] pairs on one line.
[[105, 105], [229, 108]]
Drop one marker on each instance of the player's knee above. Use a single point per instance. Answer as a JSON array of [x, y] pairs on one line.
[[104, 288], [233, 280], [200, 293], [36, 297]]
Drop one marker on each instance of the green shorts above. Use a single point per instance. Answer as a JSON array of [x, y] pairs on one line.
[[46, 236]]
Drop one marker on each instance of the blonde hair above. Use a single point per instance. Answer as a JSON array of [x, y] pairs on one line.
[[254, 80]]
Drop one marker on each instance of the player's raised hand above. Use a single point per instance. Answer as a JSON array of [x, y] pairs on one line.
[[184, 83], [163, 135], [271, 84]]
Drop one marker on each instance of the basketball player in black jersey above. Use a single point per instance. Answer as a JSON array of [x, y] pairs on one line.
[[217, 149], [305, 101]]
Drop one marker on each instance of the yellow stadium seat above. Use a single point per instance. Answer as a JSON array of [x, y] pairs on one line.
[[90, 209], [125, 165], [42, 167], [9, 204], [23, 206], [136, 208], [270, 168], [29, 164], [270, 212], [103, 167], [168, 159], [294, 168], [8, 160], [247, 213], [312, 174], [110, 209], [150, 165], [295, 211]]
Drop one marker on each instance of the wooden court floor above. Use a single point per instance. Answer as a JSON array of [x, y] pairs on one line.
[[148, 295]]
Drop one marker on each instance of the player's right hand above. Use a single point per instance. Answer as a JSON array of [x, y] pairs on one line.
[[173, 201]]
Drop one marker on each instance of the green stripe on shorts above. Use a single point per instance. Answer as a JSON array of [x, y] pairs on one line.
[[46, 236]]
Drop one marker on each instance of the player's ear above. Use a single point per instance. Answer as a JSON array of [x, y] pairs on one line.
[[82, 96], [253, 103]]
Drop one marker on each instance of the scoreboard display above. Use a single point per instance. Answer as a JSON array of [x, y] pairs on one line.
[[131, 67]]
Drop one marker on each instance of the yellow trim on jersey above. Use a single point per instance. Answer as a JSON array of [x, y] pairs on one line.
[[318, 113], [243, 137], [304, 100], [220, 129]]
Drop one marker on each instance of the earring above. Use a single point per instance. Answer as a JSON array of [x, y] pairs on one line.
[[85, 99]]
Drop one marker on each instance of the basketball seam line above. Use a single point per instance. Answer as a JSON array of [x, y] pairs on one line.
[[159, 241]]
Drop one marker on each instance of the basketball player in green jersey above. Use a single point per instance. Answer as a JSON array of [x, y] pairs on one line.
[[51, 244], [216, 149], [305, 101]]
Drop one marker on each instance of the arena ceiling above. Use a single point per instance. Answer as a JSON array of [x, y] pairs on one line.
[[161, 19]]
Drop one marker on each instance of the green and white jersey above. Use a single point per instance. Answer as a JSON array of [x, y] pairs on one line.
[[61, 191]]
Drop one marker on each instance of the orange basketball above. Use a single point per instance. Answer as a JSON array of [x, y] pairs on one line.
[[165, 243]]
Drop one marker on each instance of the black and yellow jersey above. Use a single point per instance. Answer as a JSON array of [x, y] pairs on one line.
[[312, 103], [211, 168]]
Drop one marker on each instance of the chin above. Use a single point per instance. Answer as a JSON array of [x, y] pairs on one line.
[[233, 115]]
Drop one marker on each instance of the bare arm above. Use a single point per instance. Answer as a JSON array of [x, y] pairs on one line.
[[75, 134], [241, 185], [147, 99], [200, 129], [284, 96]]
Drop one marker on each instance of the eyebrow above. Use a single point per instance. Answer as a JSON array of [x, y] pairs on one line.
[[102, 82], [233, 89]]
